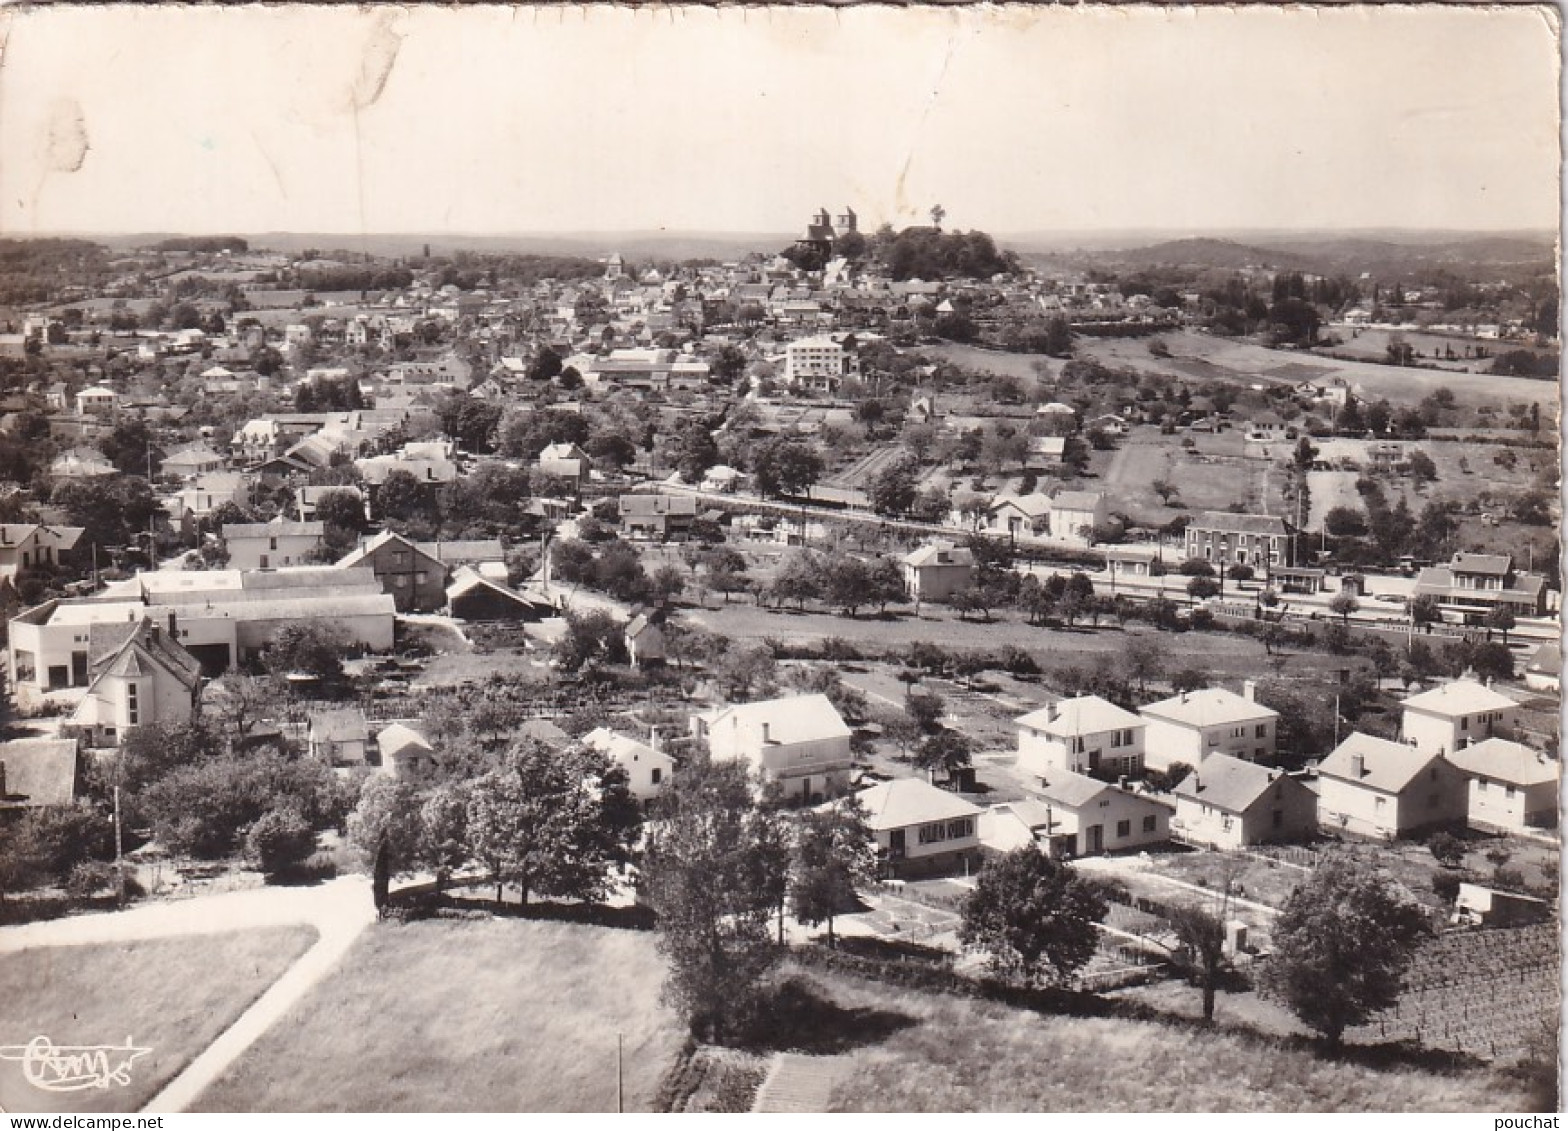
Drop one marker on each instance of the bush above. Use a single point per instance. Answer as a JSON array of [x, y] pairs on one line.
[[280, 840], [89, 878], [1446, 885]]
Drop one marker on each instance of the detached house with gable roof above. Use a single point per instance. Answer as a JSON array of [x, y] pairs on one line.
[[921, 830], [24, 545], [138, 674], [1230, 803], [1083, 735], [939, 570], [413, 577], [1372, 787], [1085, 816]]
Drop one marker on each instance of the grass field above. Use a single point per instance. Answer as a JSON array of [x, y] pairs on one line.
[[1205, 356], [965, 1055], [172, 996], [487, 1015]]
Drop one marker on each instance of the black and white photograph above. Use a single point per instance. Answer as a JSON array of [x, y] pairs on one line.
[[780, 558]]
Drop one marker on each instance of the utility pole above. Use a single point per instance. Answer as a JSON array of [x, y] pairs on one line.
[[620, 1076]]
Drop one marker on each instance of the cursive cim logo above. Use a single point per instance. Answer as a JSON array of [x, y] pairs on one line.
[[73, 1068]]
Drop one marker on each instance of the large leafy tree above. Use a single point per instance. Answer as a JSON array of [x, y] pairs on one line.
[[715, 871], [893, 489], [834, 853], [786, 467], [551, 821], [1033, 918], [1341, 947]]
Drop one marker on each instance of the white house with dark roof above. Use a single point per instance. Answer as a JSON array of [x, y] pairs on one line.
[[1193, 725], [1453, 715], [1083, 735], [1229, 803], [1372, 787], [1512, 787], [1019, 516], [800, 742], [192, 461], [921, 830]]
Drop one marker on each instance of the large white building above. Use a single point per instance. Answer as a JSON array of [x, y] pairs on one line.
[[222, 617], [820, 363]]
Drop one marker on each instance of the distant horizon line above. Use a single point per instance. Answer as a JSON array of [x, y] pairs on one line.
[[735, 234]]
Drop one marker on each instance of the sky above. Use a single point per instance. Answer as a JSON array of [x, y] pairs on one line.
[[601, 118]]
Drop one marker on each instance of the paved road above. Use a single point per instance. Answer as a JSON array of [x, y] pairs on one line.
[[339, 910]]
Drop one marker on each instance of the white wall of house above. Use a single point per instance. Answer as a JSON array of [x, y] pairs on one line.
[[1123, 820], [271, 551], [1443, 734], [1108, 752], [1499, 805], [1170, 742], [1285, 813]]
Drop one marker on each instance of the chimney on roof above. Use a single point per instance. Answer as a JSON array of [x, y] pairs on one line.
[[1183, 696], [653, 738], [173, 623], [1249, 690], [1050, 712], [1197, 783], [1121, 782], [766, 738], [1358, 765]]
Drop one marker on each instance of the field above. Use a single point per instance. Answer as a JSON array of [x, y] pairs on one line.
[[1372, 344], [1205, 357], [1219, 470], [874, 635], [486, 1015], [1009, 1059], [172, 996], [1025, 366]]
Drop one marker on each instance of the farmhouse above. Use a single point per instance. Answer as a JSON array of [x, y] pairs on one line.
[[268, 545], [27, 544]]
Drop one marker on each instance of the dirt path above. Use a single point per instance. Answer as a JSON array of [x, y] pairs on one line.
[[339, 910]]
